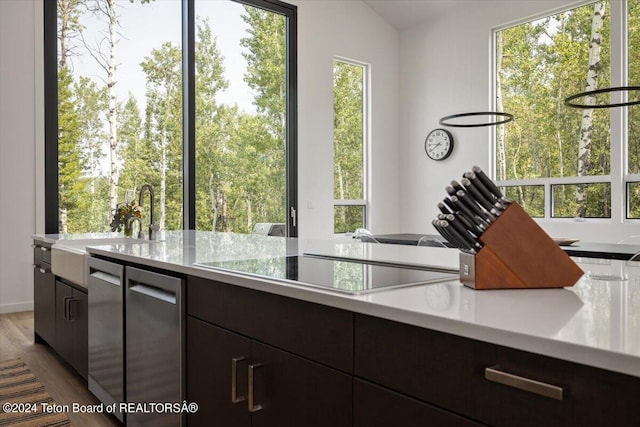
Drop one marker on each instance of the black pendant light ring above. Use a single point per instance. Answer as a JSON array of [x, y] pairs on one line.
[[568, 100], [506, 119]]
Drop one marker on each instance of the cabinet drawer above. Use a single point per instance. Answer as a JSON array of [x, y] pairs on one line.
[[597, 397], [449, 371], [320, 333], [374, 406], [41, 253]]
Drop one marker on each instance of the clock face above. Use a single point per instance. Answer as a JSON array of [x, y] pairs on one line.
[[439, 144]]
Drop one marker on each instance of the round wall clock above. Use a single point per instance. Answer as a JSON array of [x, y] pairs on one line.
[[439, 144]]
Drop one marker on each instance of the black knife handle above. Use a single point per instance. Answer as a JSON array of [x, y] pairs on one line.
[[444, 209], [450, 205], [468, 224], [438, 227], [457, 237], [456, 185], [451, 219], [465, 199], [480, 198], [487, 182], [480, 186], [450, 190], [463, 208]]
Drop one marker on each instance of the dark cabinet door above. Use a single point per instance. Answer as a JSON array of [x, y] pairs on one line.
[[44, 303], [375, 406], [71, 316], [216, 359], [291, 391], [64, 334], [239, 382]]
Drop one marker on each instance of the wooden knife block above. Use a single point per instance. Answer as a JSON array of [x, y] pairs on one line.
[[517, 254]]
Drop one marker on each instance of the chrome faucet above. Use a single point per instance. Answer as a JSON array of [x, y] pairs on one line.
[[152, 227]]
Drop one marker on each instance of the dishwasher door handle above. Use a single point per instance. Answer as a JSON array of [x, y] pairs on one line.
[[154, 292], [105, 277]]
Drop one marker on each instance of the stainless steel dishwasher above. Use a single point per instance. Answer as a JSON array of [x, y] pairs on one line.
[[106, 332], [154, 346]]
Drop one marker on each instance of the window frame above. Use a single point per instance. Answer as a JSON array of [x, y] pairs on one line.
[[289, 11], [366, 143], [619, 176]]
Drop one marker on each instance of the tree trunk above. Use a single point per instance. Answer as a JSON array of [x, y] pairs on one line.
[[63, 16], [163, 179], [113, 110], [249, 213], [500, 137], [586, 127]]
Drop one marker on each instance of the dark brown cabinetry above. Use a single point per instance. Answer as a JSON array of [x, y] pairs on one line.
[[451, 372], [250, 371], [71, 325], [44, 296], [375, 406]]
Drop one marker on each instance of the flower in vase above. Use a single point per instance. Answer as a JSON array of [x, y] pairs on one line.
[[122, 213]]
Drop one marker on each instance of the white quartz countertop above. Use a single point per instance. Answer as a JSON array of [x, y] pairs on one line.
[[596, 322]]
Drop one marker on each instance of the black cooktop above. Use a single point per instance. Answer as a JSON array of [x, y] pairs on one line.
[[349, 277]]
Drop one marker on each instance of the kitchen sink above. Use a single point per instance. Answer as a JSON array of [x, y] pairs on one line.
[[69, 257]]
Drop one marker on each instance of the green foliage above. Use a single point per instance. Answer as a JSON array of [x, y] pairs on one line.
[[348, 143], [543, 62], [240, 157]]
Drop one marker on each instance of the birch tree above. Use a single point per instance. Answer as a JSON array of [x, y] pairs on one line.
[[69, 28], [164, 113], [586, 126], [107, 61], [502, 160]]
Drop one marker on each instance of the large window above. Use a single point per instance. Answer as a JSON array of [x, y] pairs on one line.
[[557, 161], [194, 97], [349, 145]]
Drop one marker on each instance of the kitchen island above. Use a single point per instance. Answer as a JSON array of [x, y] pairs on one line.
[[423, 350]]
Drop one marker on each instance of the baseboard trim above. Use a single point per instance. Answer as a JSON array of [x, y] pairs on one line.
[[16, 307]]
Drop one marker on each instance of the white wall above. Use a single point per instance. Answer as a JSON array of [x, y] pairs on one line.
[[349, 29], [445, 68], [18, 132]]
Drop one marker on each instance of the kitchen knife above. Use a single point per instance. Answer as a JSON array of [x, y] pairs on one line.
[[480, 186], [480, 198], [456, 185], [468, 224], [450, 205], [438, 227], [464, 217], [451, 219], [489, 184], [475, 207], [444, 208], [463, 208], [455, 237]]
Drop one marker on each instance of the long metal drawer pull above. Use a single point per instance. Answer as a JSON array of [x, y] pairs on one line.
[[253, 407], [234, 380], [106, 277], [526, 384], [154, 292]]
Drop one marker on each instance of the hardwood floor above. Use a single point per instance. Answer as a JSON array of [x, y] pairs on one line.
[[61, 382]]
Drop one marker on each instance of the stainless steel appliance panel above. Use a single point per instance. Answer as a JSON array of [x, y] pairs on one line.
[[106, 332], [154, 350]]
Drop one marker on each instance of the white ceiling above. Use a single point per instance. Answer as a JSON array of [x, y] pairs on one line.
[[407, 13]]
